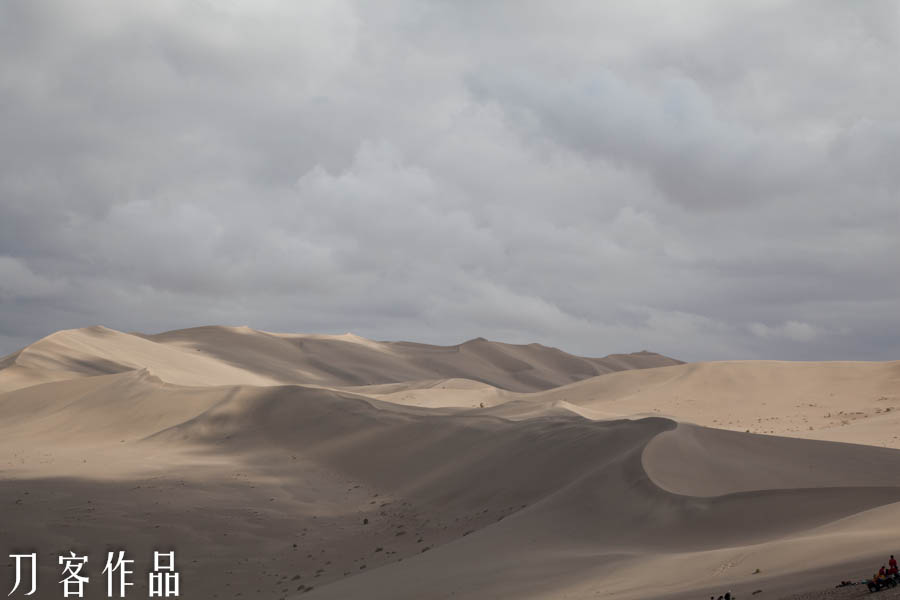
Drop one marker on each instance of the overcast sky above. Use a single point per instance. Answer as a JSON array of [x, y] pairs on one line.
[[706, 179]]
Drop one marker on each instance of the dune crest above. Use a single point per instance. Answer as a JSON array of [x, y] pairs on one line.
[[287, 465], [242, 356]]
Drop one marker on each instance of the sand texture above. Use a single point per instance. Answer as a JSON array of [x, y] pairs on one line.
[[283, 466]]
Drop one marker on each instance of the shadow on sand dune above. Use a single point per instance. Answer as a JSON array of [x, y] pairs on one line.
[[276, 489]]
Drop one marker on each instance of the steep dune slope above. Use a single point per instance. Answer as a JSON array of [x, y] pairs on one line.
[[358, 497], [101, 351], [240, 355], [340, 467], [700, 461], [94, 410], [349, 360]]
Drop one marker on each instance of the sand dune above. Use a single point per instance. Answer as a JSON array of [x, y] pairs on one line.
[[240, 355], [337, 467], [855, 402]]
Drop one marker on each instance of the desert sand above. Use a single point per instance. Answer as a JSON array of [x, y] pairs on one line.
[[288, 465]]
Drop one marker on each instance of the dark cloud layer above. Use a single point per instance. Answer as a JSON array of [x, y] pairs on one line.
[[716, 182]]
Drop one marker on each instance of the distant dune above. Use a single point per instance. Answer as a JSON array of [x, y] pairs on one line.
[[284, 466], [240, 355]]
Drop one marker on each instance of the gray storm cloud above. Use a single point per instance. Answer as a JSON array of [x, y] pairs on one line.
[[720, 182]]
